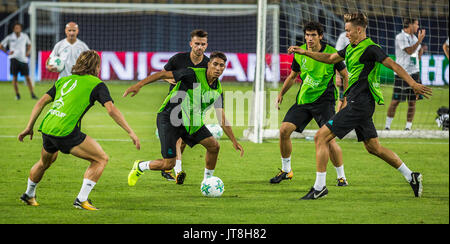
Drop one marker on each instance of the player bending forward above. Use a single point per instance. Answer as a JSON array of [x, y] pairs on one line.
[[182, 112], [363, 58], [73, 96]]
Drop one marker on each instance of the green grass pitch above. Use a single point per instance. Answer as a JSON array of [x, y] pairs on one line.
[[377, 193]]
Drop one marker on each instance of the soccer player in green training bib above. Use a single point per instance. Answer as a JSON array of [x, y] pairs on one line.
[[72, 97], [363, 58], [182, 113], [316, 100]]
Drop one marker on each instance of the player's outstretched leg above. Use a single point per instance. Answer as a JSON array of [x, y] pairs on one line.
[[414, 178], [135, 173], [139, 167]]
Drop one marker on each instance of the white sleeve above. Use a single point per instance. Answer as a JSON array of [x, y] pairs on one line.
[[446, 42], [402, 42], [55, 50], [341, 43], [5, 41], [27, 40]]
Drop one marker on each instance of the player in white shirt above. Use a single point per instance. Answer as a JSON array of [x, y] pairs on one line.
[[341, 43], [68, 50], [19, 46], [408, 51]]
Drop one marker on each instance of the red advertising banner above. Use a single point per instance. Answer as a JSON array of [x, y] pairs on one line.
[[138, 65]]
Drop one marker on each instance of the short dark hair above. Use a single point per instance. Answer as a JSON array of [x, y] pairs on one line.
[[408, 21], [17, 23], [313, 26], [357, 18], [220, 55], [199, 33]]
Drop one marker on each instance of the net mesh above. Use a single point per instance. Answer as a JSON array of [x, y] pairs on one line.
[[385, 22]]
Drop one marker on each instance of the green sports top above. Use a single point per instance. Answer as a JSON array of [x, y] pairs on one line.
[[73, 96], [316, 76], [196, 94], [364, 66]]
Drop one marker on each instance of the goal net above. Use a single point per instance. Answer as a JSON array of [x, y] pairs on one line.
[[137, 39], [385, 22]]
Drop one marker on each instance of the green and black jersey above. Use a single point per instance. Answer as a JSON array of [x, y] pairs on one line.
[[192, 96], [72, 97], [318, 79], [363, 64]]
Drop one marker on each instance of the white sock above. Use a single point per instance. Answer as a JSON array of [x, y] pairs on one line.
[[31, 188], [145, 165], [321, 178], [408, 125], [340, 172], [388, 122], [85, 189], [286, 164], [208, 173], [406, 172], [177, 167]]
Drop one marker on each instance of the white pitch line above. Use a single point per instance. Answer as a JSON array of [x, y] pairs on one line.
[[299, 141]]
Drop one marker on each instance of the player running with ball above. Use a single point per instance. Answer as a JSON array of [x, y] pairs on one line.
[[182, 112], [363, 58], [196, 58]]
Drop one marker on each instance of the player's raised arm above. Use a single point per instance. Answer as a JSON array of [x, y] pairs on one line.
[[328, 58], [417, 87], [220, 112], [149, 79]]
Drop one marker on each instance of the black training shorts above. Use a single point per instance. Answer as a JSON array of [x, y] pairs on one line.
[[356, 115], [16, 66], [169, 135], [64, 144], [301, 115]]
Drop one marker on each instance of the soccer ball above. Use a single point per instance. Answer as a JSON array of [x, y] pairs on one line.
[[56, 62], [212, 187], [216, 130]]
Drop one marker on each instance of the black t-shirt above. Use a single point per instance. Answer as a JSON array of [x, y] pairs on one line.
[[182, 61], [187, 78], [361, 89], [100, 93]]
